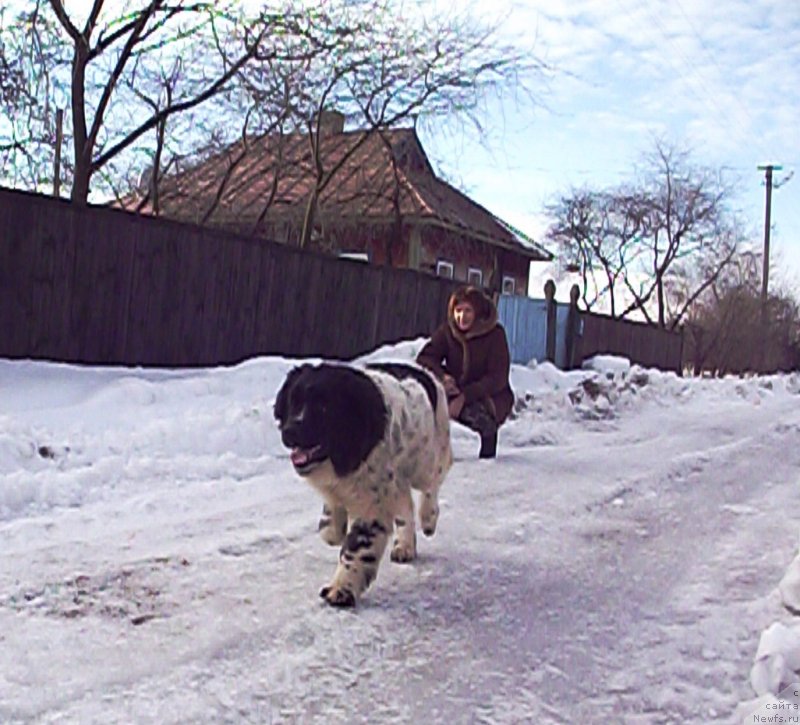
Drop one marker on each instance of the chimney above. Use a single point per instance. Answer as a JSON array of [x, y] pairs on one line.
[[331, 123]]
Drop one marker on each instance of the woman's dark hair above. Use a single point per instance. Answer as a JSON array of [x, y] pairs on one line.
[[472, 295]]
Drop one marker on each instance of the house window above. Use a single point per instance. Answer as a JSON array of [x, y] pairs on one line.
[[444, 269], [509, 285], [475, 277]]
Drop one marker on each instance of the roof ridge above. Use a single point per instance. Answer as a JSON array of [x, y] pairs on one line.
[[416, 192]]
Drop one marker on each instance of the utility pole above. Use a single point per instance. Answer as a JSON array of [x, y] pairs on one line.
[[768, 169]]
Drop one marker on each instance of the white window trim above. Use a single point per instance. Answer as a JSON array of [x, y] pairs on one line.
[[475, 271], [445, 269], [509, 281], [356, 256]]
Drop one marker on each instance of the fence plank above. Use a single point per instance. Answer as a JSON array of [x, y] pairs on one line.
[[525, 323], [640, 343]]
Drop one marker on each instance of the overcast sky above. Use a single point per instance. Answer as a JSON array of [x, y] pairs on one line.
[[719, 76]]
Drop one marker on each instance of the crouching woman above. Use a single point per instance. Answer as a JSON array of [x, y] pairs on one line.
[[469, 353]]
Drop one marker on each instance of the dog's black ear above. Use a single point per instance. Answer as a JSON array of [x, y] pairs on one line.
[[356, 421], [281, 407]]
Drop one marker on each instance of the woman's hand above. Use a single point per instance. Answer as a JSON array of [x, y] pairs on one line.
[[450, 386], [455, 405]]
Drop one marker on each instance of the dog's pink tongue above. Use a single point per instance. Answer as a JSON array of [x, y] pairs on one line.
[[299, 457]]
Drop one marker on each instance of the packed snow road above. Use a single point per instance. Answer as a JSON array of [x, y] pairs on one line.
[[616, 563]]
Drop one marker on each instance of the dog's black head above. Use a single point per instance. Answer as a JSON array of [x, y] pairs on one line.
[[329, 412]]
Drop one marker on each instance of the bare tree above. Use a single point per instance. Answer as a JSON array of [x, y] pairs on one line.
[[720, 312], [163, 83], [729, 330], [657, 242], [28, 87], [99, 62], [596, 234], [385, 72], [378, 71], [12, 85], [12, 78]]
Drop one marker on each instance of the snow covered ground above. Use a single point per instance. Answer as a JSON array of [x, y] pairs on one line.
[[618, 562]]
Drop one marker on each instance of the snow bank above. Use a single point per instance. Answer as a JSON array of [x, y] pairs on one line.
[[71, 434], [775, 675], [777, 659]]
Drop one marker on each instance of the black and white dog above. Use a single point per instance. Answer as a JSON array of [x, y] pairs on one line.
[[364, 437]]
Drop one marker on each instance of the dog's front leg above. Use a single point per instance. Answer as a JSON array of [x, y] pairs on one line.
[[333, 524], [359, 559]]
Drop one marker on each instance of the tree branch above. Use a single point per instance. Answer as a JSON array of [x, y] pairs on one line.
[[66, 23], [176, 108]]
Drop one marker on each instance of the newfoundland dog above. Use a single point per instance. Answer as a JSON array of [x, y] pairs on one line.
[[364, 437]]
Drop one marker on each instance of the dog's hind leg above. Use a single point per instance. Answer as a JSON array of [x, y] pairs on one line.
[[434, 474], [333, 524], [358, 562], [429, 503], [429, 511], [404, 547]]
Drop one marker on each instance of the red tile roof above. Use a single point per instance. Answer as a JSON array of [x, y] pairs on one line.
[[365, 186]]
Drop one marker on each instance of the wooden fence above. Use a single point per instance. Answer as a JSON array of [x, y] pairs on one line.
[[642, 344], [102, 286]]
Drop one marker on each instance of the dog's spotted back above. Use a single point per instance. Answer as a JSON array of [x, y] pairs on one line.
[[403, 371]]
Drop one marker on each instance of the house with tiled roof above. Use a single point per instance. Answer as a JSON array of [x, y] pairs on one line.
[[373, 196]]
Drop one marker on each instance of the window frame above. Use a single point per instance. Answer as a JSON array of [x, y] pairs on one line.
[[506, 280], [471, 271], [443, 264]]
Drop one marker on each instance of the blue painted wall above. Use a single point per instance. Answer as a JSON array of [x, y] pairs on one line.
[[525, 323]]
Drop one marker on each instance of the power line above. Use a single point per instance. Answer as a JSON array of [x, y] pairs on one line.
[[709, 97], [692, 77], [713, 59]]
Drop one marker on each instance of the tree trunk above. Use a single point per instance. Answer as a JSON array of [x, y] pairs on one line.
[[81, 150], [308, 220]]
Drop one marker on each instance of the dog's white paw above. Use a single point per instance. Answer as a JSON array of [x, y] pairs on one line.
[[338, 596], [428, 516], [403, 553]]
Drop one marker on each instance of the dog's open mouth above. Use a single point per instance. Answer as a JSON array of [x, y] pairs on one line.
[[305, 459]]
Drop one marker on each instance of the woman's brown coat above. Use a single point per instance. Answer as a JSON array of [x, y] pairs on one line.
[[478, 360]]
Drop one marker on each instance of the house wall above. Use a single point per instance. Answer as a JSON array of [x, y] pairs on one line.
[[518, 267], [420, 246], [441, 244], [365, 238]]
